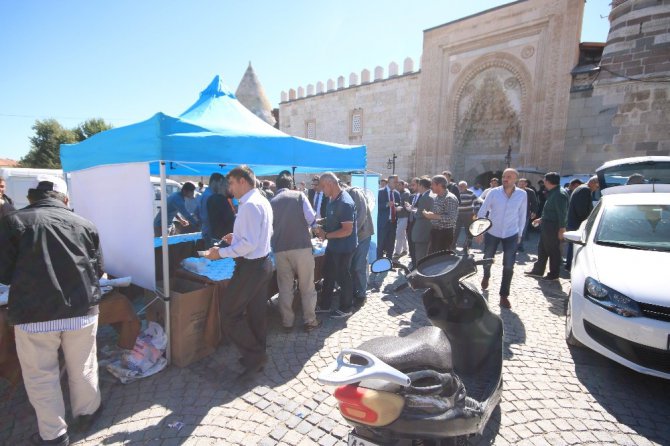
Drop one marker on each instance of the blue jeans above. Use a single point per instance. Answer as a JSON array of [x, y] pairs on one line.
[[509, 246], [359, 268]]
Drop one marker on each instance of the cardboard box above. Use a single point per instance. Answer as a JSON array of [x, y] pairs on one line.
[[189, 306]]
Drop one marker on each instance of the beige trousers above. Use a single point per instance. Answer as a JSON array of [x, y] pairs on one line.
[[38, 355], [300, 263]]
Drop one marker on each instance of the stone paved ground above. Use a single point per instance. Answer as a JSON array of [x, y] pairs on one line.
[[552, 394]]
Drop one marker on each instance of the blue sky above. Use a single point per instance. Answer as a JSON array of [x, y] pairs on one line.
[[125, 60]]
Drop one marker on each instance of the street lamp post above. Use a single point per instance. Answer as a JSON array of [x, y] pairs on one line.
[[390, 164], [508, 157]]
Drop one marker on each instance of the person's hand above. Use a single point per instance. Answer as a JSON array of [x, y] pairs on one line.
[[319, 232], [532, 215], [408, 207], [212, 254], [561, 231], [228, 238], [184, 222], [537, 222], [427, 214]]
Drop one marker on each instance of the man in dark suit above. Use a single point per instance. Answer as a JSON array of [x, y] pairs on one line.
[[421, 226], [581, 205], [388, 202], [317, 198]]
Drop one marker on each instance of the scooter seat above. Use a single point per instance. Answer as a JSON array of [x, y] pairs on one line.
[[427, 347]]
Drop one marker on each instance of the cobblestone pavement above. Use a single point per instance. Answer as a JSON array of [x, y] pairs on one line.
[[552, 394]]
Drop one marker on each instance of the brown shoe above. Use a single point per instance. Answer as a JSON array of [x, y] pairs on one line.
[[504, 302], [485, 283], [313, 326]]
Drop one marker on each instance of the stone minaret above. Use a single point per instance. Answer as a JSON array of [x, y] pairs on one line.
[[635, 70], [251, 94]]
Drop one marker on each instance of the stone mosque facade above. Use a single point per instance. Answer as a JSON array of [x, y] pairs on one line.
[[510, 84]]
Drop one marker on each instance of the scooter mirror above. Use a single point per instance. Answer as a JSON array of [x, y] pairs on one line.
[[479, 226], [380, 266]]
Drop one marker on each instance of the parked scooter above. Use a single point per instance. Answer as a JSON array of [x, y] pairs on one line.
[[441, 383]]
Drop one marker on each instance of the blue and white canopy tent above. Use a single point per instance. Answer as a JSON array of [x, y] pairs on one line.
[[110, 172]]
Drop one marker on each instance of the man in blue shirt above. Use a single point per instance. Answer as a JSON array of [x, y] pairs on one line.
[[506, 207], [339, 228], [176, 204]]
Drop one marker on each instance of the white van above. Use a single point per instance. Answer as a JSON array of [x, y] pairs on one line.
[[19, 180]]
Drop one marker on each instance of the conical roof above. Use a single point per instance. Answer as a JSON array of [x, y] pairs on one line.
[[251, 94]]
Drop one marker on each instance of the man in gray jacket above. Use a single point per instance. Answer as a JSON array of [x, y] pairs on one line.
[[292, 247], [421, 226]]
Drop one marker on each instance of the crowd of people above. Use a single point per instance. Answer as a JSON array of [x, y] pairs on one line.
[[245, 219]]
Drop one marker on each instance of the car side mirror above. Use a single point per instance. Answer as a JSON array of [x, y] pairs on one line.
[[381, 266], [576, 237]]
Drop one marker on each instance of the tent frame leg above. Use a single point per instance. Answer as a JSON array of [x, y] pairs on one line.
[[166, 259]]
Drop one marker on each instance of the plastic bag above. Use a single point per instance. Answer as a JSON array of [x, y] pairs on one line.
[[146, 357]]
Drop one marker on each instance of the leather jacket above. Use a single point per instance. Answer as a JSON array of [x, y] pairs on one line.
[[51, 257]]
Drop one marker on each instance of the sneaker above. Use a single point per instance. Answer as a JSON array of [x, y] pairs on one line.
[[504, 302], [321, 310], [550, 278], [339, 314], [533, 273], [313, 326]]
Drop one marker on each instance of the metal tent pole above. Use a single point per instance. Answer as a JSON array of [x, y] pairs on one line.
[[166, 262]]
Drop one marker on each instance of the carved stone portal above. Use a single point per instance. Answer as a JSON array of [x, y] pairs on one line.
[[488, 121]]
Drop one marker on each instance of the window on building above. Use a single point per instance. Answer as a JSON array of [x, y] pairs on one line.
[[310, 129], [356, 122]]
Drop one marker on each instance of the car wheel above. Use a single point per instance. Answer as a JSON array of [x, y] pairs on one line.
[[569, 336]]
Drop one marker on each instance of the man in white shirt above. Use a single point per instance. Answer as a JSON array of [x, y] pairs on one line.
[[244, 308], [506, 207]]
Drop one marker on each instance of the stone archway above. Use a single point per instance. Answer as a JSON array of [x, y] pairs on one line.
[[487, 112]]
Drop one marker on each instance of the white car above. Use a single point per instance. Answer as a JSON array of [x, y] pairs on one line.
[[619, 305]]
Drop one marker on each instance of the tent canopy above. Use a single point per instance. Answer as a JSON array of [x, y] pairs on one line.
[[213, 135]]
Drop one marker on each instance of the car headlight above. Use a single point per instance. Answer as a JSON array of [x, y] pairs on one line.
[[610, 299]]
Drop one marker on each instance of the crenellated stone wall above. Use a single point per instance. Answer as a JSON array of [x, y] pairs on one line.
[[512, 77], [380, 113]]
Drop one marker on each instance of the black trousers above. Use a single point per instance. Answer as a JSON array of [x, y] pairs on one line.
[[549, 248], [440, 240], [244, 309], [337, 268], [386, 239], [410, 243]]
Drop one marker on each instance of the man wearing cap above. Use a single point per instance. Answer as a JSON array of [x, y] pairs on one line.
[[52, 260]]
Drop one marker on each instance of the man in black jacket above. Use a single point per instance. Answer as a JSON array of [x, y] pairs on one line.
[[52, 260], [581, 204]]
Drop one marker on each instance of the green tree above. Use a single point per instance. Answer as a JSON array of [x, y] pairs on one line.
[[89, 128], [50, 134]]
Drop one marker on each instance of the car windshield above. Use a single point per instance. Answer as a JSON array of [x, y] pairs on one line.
[[635, 226]]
